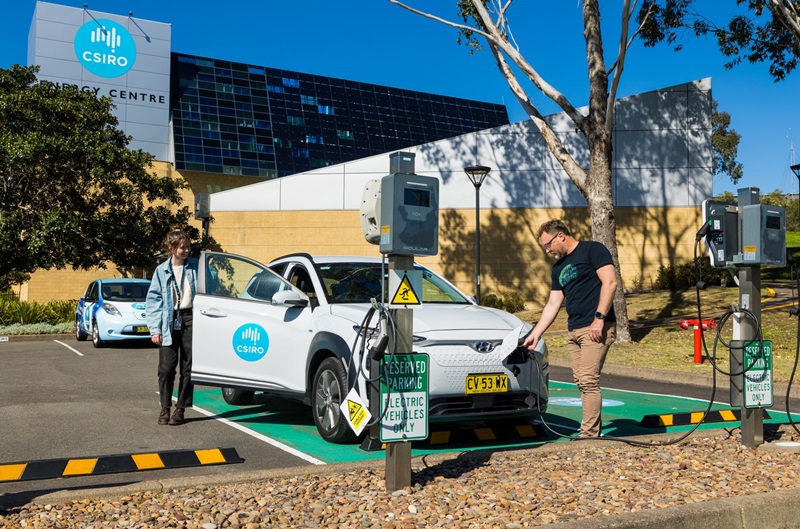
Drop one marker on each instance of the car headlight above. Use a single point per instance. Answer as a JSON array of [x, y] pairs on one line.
[[111, 309]]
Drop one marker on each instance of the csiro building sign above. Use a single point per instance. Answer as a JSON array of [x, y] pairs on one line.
[[105, 48]]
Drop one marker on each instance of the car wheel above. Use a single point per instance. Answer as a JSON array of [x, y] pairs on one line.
[[237, 397], [328, 392], [96, 340], [79, 334]]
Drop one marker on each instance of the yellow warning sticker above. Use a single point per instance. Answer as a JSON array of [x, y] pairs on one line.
[[405, 294], [356, 411], [357, 414]]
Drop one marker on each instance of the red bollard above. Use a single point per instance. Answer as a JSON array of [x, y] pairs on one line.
[[698, 337]]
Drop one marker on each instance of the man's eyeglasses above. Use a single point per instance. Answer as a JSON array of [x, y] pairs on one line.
[[547, 245]]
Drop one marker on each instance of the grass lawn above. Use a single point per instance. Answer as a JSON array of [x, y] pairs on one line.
[[664, 345]]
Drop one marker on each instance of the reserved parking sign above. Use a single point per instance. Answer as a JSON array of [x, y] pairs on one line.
[[404, 397], [758, 379]]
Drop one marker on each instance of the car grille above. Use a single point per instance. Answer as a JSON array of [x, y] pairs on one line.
[[484, 405], [451, 363]]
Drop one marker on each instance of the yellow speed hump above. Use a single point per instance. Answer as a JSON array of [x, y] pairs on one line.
[[406, 288]]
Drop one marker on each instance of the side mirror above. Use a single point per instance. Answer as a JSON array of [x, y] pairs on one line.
[[290, 298]]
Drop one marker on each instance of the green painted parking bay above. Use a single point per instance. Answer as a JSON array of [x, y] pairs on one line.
[[291, 423]]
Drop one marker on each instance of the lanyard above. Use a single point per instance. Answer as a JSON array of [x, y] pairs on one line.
[[183, 274]]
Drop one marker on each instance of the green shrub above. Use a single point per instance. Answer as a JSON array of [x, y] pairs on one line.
[[509, 302], [491, 300], [683, 276], [37, 328], [25, 312]]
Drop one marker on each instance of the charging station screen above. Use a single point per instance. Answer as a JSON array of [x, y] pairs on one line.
[[773, 222], [417, 197]]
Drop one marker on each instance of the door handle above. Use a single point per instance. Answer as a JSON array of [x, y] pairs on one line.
[[213, 313]]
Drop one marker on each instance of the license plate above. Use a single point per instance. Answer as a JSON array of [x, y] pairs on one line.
[[140, 328], [487, 383]]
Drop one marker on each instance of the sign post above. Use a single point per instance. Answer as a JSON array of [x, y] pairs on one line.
[[398, 454]]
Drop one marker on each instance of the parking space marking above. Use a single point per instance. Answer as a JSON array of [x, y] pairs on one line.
[[70, 348], [260, 437]]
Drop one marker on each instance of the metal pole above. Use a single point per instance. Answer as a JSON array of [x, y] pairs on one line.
[[752, 419], [478, 244], [398, 454], [750, 299]]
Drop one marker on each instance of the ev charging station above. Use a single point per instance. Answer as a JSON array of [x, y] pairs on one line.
[[746, 236], [400, 213]]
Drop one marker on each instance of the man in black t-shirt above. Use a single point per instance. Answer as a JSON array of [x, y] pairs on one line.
[[584, 275]]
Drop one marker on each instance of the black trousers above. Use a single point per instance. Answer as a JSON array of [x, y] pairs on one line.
[[170, 357]]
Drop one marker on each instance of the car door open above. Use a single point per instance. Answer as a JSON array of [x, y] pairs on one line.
[[251, 327]]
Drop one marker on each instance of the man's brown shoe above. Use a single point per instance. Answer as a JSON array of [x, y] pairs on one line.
[[177, 417], [164, 417]]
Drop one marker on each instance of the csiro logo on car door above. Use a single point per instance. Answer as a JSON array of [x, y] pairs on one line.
[[105, 48], [250, 342]]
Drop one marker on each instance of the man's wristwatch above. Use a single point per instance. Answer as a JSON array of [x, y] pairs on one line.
[[599, 315]]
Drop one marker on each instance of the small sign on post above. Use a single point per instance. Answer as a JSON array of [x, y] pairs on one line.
[[404, 398], [758, 378]]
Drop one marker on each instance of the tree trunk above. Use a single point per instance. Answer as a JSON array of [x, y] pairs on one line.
[[604, 225]]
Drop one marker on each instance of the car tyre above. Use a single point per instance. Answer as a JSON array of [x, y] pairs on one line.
[[237, 397], [328, 391], [79, 334], [96, 340]]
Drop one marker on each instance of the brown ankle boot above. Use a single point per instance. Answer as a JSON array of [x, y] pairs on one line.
[[177, 417], [164, 417]]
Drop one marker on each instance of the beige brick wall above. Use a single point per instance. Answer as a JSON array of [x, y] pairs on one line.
[[511, 258]]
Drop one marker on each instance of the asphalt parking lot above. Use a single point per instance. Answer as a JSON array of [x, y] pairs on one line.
[[65, 399]]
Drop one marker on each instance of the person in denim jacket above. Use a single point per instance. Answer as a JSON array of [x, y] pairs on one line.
[[169, 318]]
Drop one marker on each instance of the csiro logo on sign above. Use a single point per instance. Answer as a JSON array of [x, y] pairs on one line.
[[250, 342], [107, 51]]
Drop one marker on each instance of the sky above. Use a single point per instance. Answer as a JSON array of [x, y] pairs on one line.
[[377, 42]]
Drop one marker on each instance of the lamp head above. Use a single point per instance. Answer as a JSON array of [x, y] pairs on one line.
[[795, 169], [477, 173]]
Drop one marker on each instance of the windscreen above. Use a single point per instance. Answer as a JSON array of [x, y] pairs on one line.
[[125, 291], [360, 282]]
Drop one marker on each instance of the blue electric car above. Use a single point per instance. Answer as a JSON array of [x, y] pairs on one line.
[[112, 310]]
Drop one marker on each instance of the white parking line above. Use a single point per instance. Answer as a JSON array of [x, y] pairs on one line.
[[70, 348], [268, 440]]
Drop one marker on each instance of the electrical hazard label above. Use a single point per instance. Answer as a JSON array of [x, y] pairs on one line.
[[356, 411], [406, 286]]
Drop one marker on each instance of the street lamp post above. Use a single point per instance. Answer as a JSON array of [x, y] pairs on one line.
[[476, 174], [796, 170]]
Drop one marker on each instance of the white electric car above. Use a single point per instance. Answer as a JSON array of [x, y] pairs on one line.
[[293, 328]]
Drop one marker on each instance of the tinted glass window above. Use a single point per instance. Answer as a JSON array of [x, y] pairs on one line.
[[125, 291], [360, 282]]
